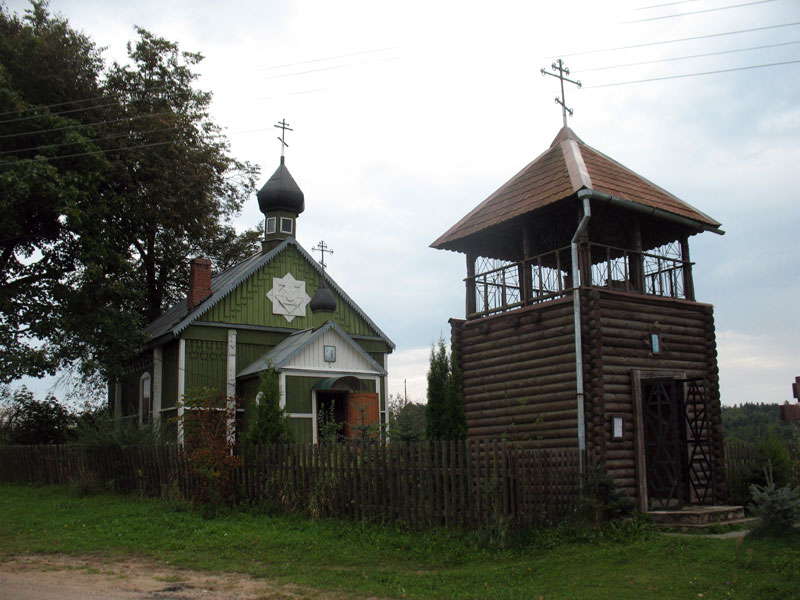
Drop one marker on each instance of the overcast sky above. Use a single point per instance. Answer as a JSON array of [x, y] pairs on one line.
[[408, 114]]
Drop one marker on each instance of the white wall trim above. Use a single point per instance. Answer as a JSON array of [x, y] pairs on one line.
[[282, 388], [145, 383], [181, 385], [117, 400], [230, 388], [158, 378], [314, 417]]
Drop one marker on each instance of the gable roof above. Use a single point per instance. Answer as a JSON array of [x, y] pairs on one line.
[[178, 317], [282, 354], [567, 166]]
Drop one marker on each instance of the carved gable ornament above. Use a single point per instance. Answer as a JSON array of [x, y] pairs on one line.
[[288, 297]]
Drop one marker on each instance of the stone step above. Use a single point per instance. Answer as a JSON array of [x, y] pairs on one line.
[[699, 517]]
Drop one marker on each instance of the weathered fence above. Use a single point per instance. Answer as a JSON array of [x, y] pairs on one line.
[[424, 485], [742, 463]]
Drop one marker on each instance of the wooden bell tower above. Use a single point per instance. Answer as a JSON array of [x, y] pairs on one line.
[[582, 329]]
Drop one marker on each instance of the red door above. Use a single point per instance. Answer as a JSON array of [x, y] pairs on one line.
[[363, 411]]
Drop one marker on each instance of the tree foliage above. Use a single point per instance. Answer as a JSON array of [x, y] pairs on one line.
[[752, 422], [406, 420], [111, 178], [26, 420], [269, 423], [444, 412]]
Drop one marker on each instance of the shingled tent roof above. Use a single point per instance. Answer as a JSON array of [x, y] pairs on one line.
[[568, 166]]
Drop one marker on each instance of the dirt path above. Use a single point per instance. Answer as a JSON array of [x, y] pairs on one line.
[[56, 577]]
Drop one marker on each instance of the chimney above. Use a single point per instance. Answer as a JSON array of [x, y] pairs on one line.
[[199, 282]]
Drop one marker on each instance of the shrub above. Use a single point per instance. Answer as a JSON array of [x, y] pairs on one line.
[[269, 423], [207, 448], [26, 420], [601, 501], [777, 508]]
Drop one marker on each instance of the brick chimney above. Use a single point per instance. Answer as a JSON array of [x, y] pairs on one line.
[[199, 282]]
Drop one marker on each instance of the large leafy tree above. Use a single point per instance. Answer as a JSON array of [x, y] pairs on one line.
[[49, 171], [110, 180]]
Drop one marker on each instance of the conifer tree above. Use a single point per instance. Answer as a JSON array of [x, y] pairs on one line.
[[445, 410]]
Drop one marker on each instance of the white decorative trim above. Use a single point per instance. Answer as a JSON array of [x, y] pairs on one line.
[[314, 417], [300, 415], [272, 225], [158, 378], [181, 385], [230, 388], [282, 388], [288, 296], [291, 225]]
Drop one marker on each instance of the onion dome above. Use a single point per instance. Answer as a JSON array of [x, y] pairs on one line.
[[281, 192], [323, 300]]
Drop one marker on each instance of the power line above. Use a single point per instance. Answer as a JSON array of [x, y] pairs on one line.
[[50, 158], [650, 62], [108, 137], [788, 62], [79, 125], [157, 89], [697, 12], [666, 4], [686, 39]]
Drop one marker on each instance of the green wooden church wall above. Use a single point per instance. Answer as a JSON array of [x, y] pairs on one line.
[[247, 304]]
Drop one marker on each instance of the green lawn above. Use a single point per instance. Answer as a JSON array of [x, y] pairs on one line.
[[389, 561]]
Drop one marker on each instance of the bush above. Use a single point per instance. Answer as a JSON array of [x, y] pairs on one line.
[[26, 420], [269, 423], [207, 449], [601, 501], [406, 420], [97, 428], [778, 508]]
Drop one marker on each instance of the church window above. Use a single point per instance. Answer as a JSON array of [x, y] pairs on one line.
[[271, 224], [286, 225]]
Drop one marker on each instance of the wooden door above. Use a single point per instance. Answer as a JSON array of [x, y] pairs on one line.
[[663, 414], [363, 411]]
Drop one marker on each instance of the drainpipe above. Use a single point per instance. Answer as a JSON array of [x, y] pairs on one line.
[[583, 195]]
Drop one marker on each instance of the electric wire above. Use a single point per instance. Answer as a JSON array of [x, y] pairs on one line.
[[665, 4], [697, 12], [603, 85], [79, 125], [108, 137], [661, 60], [686, 39], [94, 152]]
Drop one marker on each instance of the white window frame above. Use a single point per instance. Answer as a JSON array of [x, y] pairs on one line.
[[145, 397], [290, 228], [272, 225]]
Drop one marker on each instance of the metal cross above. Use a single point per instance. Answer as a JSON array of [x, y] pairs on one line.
[[322, 247], [284, 127], [562, 70]]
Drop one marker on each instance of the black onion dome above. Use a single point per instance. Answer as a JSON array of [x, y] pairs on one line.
[[323, 300], [281, 193]]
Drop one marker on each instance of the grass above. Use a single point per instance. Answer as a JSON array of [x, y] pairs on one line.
[[358, 558]]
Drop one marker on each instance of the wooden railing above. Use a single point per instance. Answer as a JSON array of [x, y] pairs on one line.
[[424, 485], [548, 276]]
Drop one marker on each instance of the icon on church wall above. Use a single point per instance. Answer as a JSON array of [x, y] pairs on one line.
[[288, 297], [330, 353]]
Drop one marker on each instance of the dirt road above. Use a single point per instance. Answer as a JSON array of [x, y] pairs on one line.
[[56, 577]]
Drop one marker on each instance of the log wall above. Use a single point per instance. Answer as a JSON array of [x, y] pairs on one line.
[[617, 329], [518, 372]]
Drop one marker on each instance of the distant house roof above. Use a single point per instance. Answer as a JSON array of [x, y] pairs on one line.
[[559, 172], [178, 317], [279, 356]]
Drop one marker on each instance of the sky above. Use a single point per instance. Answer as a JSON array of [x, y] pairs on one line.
[[406, 115]]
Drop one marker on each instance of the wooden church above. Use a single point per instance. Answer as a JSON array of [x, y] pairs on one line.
[[278, 308], [582, 328]]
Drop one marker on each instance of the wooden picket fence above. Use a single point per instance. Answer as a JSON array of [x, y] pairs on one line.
[[424, 485], [742, 461]]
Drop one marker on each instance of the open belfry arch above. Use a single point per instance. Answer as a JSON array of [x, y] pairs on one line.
[[279, 309], [582, 329]]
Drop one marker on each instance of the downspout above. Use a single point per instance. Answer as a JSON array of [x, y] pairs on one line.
[[584, 195]]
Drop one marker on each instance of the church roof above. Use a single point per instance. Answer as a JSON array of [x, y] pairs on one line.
[[280, 356], [281, 192], [567, 166], [178, 317]]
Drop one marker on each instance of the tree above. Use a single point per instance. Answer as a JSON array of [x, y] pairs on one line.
[[110, 180], [444, 413], [406, 420], [26, 420], [50, 172], [269, 424]]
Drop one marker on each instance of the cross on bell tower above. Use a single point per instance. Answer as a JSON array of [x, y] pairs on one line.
[[559, 70], [284, 127]]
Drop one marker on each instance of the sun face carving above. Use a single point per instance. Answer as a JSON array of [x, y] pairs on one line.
[[288, 297]]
